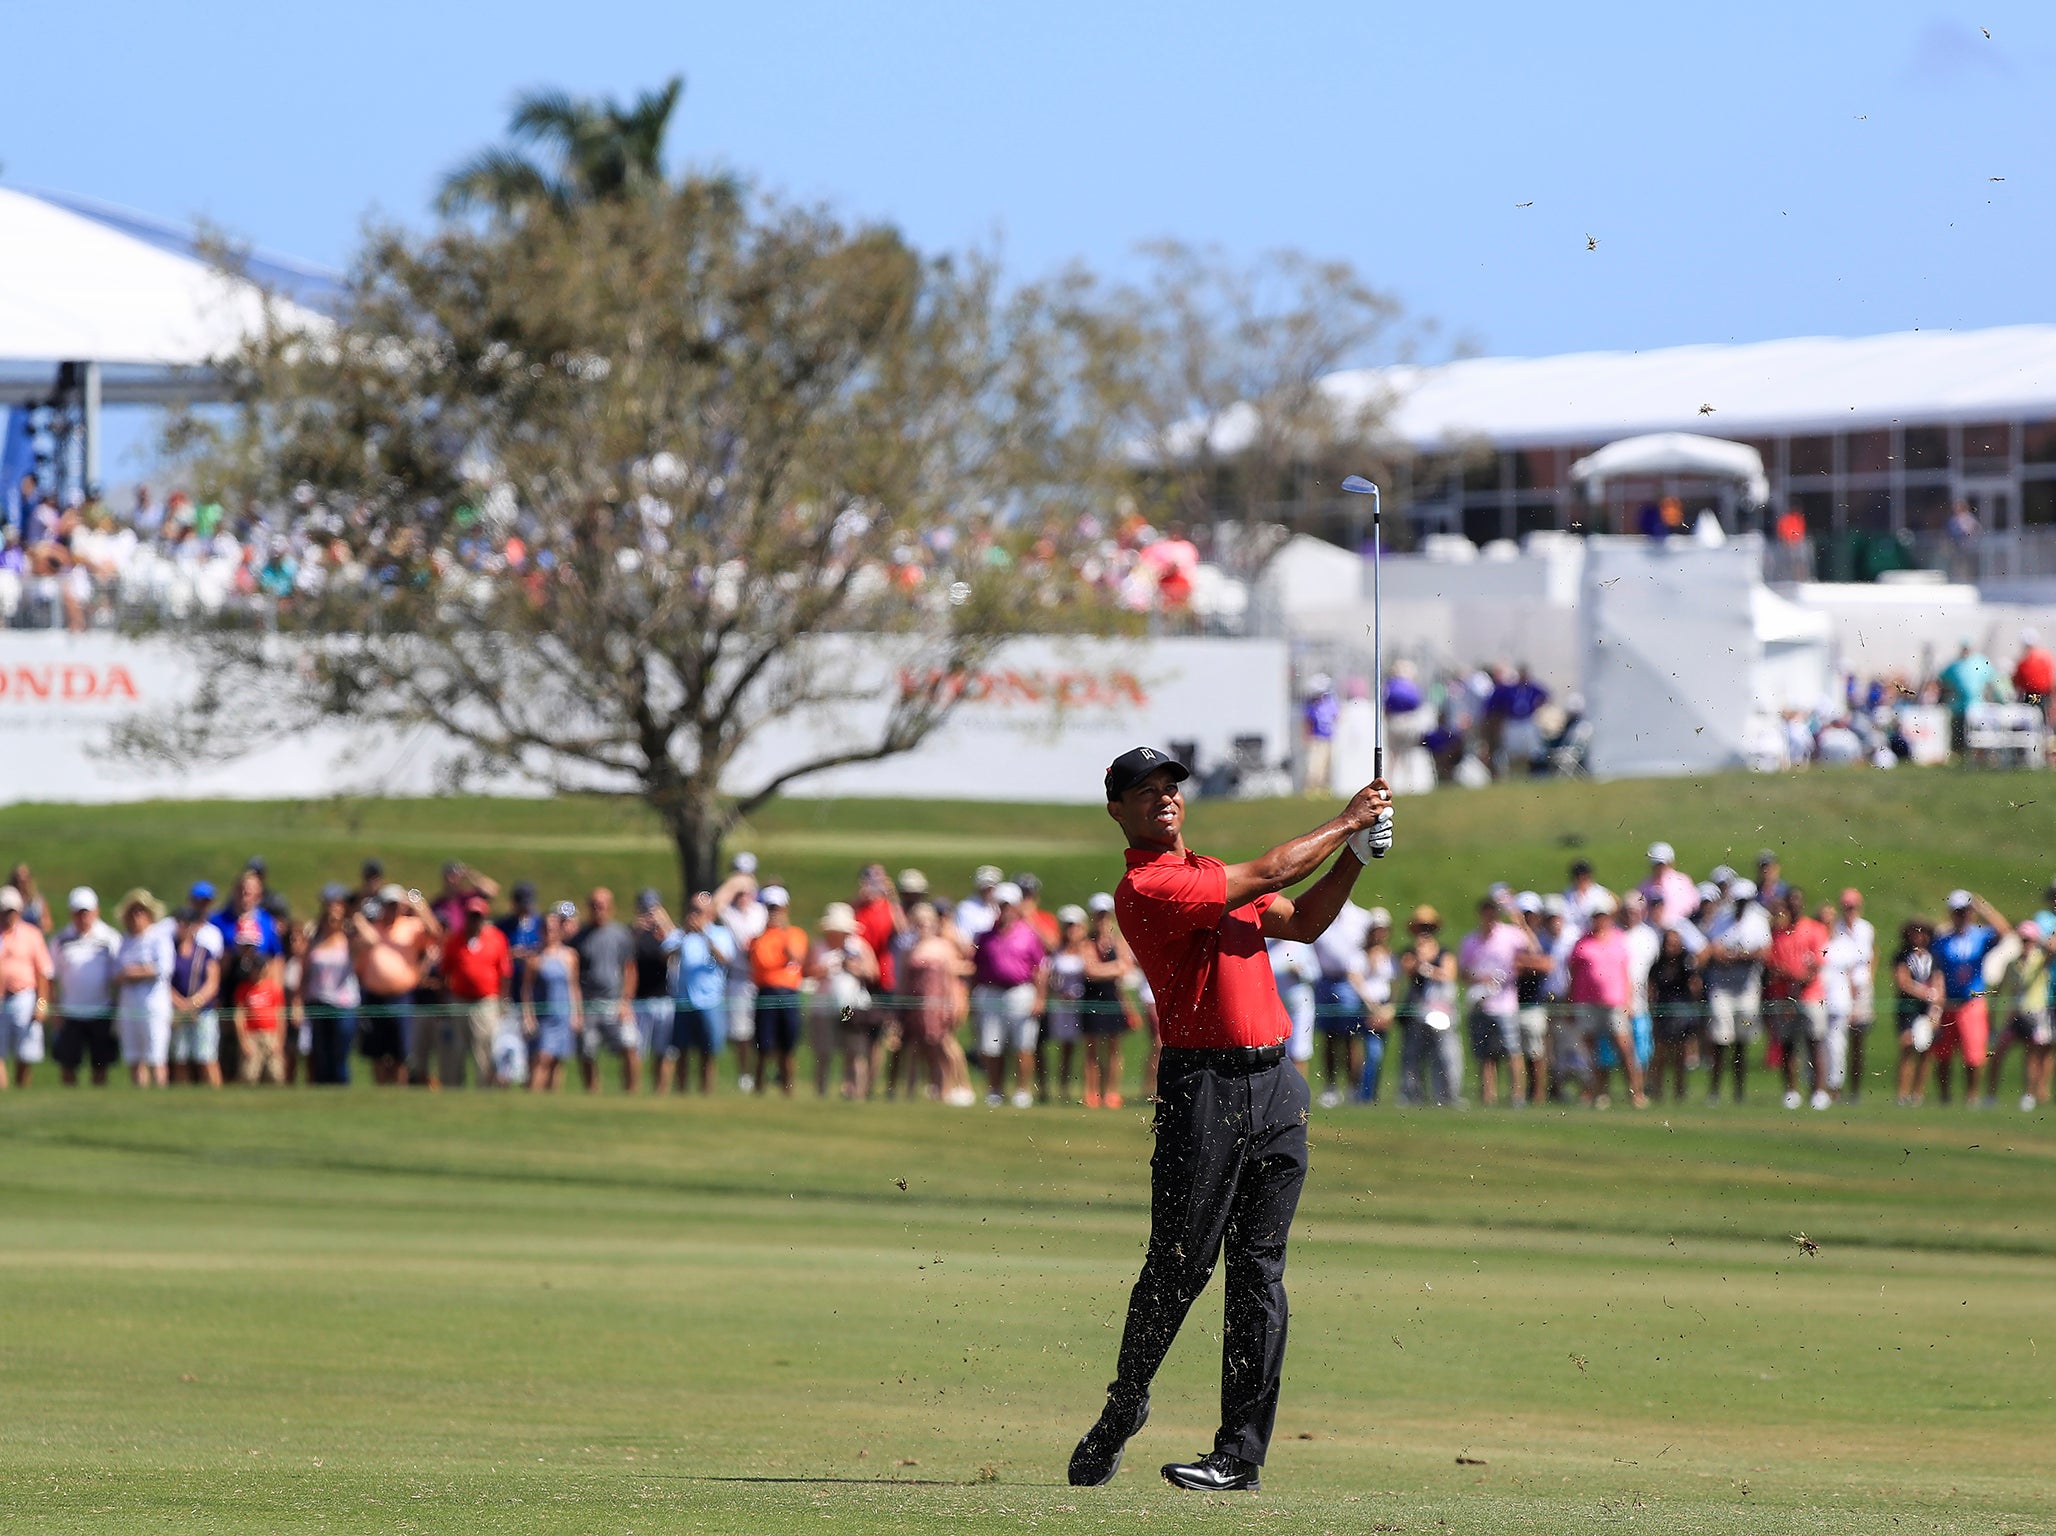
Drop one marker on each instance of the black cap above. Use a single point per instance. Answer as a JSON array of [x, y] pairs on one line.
[[373, 868], [1137, 764], [524, 890], [257, 866]]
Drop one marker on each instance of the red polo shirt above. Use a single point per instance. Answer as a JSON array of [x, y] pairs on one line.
[[1206, 965], [476, 968]]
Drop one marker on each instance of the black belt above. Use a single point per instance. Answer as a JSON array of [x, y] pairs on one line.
[[1228, 1061]]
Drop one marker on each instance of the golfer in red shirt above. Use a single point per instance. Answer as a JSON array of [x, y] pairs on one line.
[[1231, 1111]]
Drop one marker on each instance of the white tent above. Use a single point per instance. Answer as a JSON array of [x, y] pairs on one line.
[[1683, 648], [1659, 455], [77, 289]]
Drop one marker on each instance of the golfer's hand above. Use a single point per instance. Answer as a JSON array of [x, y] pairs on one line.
[[1374, 841], [1368, 802]]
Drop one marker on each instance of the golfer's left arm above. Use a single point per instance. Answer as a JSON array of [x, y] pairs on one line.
[[1307, 916]]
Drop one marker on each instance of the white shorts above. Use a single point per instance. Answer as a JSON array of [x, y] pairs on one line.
[[1006, 1018], [21, 1037], [606, 1030], [1300, 1006], [742, 1012], [145, 1038], [1731, 1016]]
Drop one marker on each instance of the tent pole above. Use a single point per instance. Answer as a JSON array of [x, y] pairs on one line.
[[89, 417]]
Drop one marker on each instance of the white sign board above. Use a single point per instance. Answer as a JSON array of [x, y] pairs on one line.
[[1039, 723]]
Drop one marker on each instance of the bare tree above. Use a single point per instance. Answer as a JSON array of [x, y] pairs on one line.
[[1235, 407], [602, 495]]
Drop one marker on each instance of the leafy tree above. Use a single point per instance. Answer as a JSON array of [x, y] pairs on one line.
[[597, 151], [602, 496]]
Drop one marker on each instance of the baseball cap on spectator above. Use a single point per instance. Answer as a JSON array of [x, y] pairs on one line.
[[1553, 905], [524, 890], [1708, 891], [1425, 916], [1378, 917], [10, 899], [745, 863], [1765, 856], [256, 866], [987, 877], [1528, 902], [83, 899], [1007, 894], [1498, 890], [200, 890], [913, 882], [774, 896], [1743, 890], [647, 899], [1029, 884], [452, 867], [1721, 874], [1601, 903], [1959, 901], [478, 904], [1580, 867], [1137, 764], [392, 895], [1073, 913], [840, 917], [334, 892], [1662, 853], [1099, 901], [190, 914], [374, 869]]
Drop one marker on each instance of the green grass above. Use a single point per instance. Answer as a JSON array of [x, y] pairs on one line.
[[1906, 837], [382, 1311]]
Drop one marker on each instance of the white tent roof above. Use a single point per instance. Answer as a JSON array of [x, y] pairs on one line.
[[74, 288], [1806, 384], [1674, 453]]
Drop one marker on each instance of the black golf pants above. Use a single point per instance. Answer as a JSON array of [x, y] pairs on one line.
[[1230, 1159]]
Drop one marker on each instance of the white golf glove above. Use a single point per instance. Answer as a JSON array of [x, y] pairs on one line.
[[1373, 841]]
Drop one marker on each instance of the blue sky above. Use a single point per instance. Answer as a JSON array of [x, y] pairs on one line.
[[1749, 170]]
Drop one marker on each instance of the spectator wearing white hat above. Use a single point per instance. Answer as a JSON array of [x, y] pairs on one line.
[[1009, 972], [778, 970], [738, 908], [1102, 1018], [25, 971], [1669, 884], [1067, 995], [84, 962], [1975, 930], [976, 914], [1737, 941]]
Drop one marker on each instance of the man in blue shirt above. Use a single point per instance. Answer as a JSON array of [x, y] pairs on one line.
[[1960, 955], [702, 953]]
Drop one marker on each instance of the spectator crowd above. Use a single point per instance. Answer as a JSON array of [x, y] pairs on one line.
[[1554, 997], [82, 564]]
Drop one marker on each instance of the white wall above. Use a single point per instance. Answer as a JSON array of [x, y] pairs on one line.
[[1040, 723]]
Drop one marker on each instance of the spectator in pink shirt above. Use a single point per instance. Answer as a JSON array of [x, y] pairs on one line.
[[1600, 993], [1679, 894]]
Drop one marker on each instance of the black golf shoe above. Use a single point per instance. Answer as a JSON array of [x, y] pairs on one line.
[[1215, 1472], [1098, 1456]]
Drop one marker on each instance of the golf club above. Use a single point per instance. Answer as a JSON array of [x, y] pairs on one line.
[[1357, 485]]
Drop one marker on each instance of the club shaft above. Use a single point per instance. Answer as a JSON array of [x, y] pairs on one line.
[[1377, 651]]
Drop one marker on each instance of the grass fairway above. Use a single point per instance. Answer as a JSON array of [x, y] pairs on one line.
[[381, 1312], [1905, 837]]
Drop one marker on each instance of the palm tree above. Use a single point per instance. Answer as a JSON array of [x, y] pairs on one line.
[[598, 151]]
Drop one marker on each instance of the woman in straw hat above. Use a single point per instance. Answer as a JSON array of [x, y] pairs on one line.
[[142, 967]]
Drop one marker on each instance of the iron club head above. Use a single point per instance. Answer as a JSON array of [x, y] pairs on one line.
[[1357, 485]]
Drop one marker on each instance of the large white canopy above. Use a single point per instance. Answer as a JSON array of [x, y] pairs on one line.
[[75, 288], [1804, 384], [1658, 454]]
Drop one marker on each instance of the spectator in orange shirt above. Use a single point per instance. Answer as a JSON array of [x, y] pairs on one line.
[[476, 965], [778, 958]]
